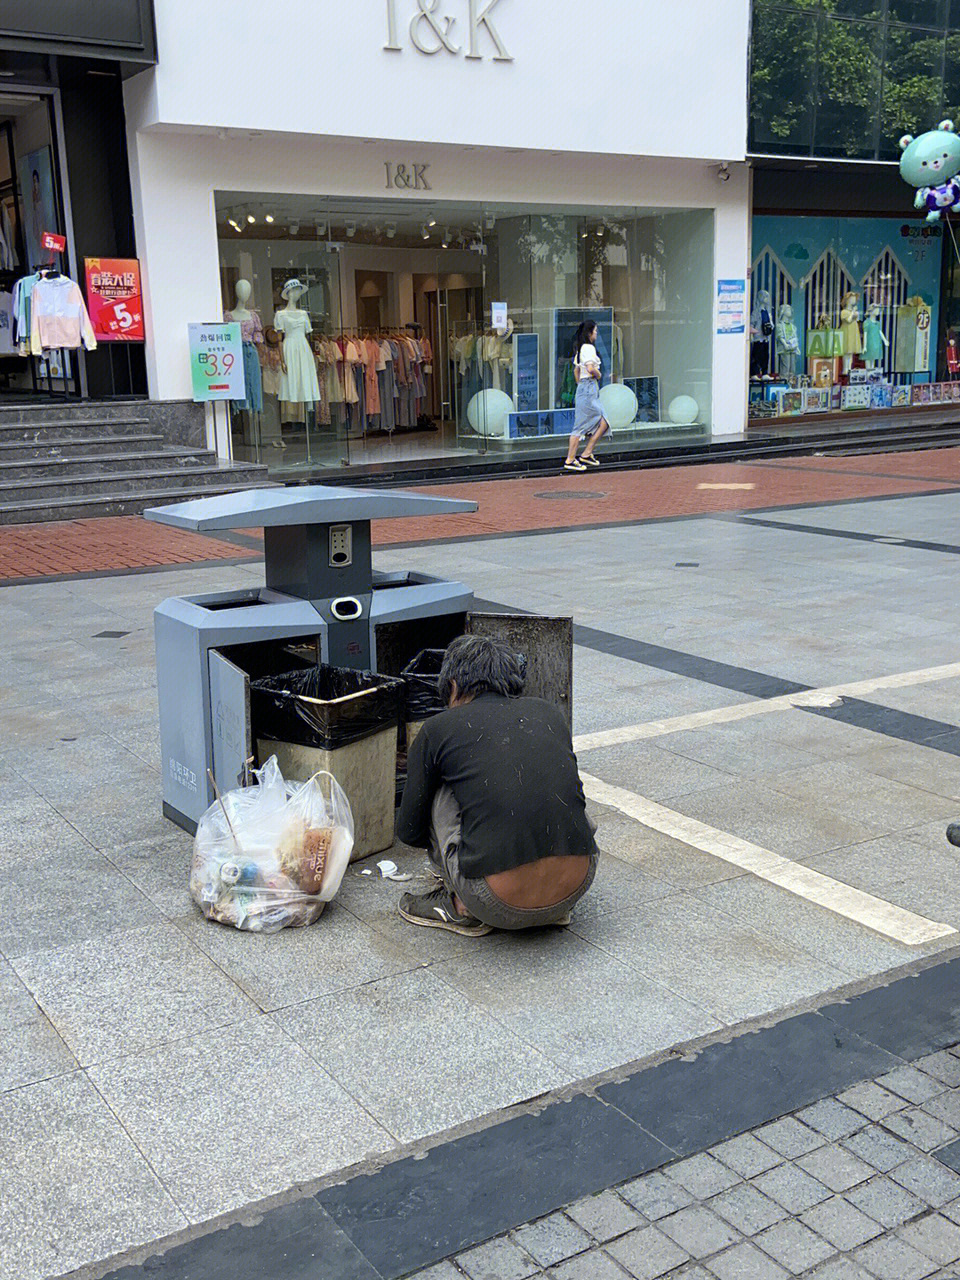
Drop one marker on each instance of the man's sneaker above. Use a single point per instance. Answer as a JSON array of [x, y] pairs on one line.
[[437, 910]]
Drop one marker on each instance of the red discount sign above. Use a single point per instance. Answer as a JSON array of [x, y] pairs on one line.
[[114, 299], [50, 240]]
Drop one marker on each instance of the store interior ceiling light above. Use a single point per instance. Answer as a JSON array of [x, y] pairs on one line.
[[268, 218], [432, 222], [251, 219], [321, 228], [425, 231], [391, 230], [490, 221], [294, 228], [351, 228]]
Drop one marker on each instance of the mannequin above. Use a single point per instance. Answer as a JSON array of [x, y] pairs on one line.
[[874, 339], [788, 343], [251, 331], [761, 332], [298, 377], [850, 328], [953, 355]]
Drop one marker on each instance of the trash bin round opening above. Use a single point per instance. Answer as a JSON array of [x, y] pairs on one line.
[[346, 608]]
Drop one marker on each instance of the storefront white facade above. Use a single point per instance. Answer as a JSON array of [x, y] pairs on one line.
[[512, 104]]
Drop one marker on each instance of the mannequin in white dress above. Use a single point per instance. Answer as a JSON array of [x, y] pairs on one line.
[[298, 378]]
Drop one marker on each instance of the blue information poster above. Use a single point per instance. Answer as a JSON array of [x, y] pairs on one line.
[[526, 372]]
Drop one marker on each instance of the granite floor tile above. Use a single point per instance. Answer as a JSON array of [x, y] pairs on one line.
[[41, 907], [746, 1155], [287, 968], [552, 1239], [840, 1223], [577, 1004], [917, 1126], [75, 1188], [794, 1246], [931, 1181], [832, 1119], [594, 1265], [872, 1100], [878, 1148], [668, 860], [910, 1083], [839, 942], [943, 1066], [605, 1216], [890, 1259], [747, 973], [791, 1187], [702, 1175], [499, 1259], [655, 1195], [654, 769], [124, 992], [454, 1062], [885, 1201], [745, 1262], [647, 1253], [30, 1049], [199, 1108], [790, 1137], [699, 1231], [747, 1209], [836, 1168], [934, 1236]]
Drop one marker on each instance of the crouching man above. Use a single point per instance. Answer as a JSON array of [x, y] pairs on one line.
[[494, 796]]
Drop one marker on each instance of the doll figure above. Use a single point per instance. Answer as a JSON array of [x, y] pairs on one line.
[[874, 339], [788, 342], [931, 163], [850, 329]]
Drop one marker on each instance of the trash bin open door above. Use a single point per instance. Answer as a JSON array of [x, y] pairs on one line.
[[547, 645], [230, 709]]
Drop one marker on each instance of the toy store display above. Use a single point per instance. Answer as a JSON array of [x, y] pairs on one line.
[[272, 855]]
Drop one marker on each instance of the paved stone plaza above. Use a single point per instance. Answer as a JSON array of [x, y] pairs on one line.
[[767, 712]]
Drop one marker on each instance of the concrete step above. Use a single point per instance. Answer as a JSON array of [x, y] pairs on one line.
[[79, 447], [104, 464], [172, 479], [51, 432], [120, 504]]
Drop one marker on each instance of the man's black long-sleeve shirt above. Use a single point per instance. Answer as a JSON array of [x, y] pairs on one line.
[[511, 767]]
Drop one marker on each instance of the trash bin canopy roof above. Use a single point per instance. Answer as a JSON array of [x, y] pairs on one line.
[[303, 504]]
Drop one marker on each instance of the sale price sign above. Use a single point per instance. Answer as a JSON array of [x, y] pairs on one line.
[[50, 240], [216, 362], [114, 299]]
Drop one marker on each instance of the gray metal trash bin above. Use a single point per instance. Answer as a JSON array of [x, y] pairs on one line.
[[321, 593]]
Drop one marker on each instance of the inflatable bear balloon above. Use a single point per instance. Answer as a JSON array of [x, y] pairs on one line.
[[931, 163]]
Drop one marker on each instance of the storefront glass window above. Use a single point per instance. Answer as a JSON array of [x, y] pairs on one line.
[[440, 331], [844, 315]]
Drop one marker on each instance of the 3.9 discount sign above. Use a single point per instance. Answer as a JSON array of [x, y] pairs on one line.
[[114, 299], [216, 362]]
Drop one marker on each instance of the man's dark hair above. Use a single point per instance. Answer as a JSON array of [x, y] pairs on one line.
[[480, 665]]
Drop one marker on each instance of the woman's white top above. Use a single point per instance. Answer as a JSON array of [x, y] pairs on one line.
[[587, 357]]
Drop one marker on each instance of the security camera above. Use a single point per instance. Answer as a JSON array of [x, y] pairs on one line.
[[724, 172]]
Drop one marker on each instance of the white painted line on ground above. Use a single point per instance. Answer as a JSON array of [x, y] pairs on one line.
[[863, 908], [726, 486], [762, 706]]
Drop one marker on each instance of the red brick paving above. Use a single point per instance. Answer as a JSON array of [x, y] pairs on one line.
[[506, 506]]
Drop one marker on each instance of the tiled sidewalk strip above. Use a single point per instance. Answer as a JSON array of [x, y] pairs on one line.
[[840, 1190]]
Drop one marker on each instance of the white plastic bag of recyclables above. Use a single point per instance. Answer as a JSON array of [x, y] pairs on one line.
[[281, 856]]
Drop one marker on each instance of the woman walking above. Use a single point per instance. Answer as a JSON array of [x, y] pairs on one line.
[[589, 423]]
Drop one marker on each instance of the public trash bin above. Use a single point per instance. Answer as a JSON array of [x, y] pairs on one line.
[[421, 679], [342, 721]]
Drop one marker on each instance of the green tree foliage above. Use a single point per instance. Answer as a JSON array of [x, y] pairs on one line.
[[839, 78]]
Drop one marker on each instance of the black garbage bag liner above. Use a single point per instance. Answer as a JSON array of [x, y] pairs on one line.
[[325, 707], [422, 680]]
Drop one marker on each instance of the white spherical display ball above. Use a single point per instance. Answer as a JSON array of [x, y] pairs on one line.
[[619, 405], [683, 410], [487, 412]]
